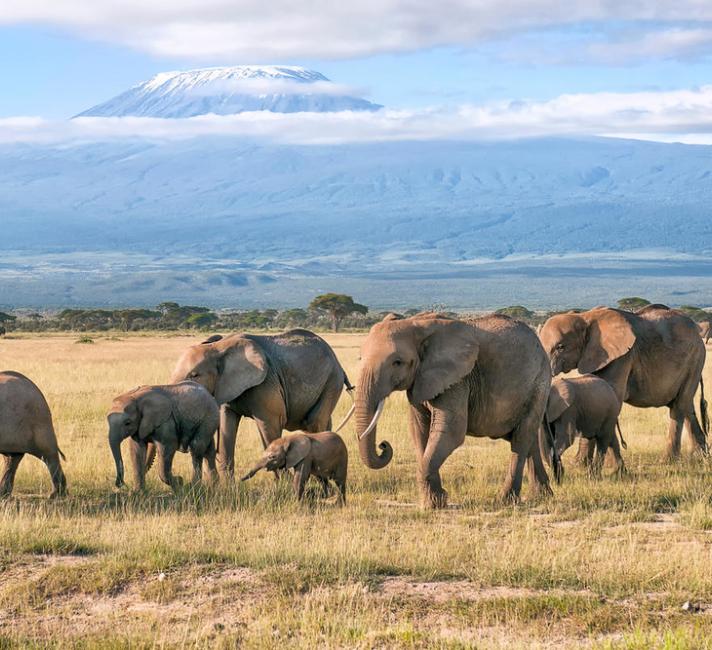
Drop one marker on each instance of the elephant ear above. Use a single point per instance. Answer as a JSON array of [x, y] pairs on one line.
[[560, 398], [447, 354], [242, 366], [298, 449], [154, 409], [609, 336]]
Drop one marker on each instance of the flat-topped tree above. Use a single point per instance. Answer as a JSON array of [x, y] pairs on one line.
[[338, 306], [633, 303]]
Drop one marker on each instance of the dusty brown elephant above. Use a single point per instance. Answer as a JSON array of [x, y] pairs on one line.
[[585, 406], [181, 417], [650, 358], [488, 377], [323, 455], [289, 381], [26, 428], [705, 328]]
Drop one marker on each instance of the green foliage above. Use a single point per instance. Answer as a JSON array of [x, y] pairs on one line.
[[633, 303], [697, 314], [516, 311], [7, 318], [338, 306]]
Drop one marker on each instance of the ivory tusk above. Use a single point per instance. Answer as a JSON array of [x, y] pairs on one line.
[[346, 419], [376, 415]]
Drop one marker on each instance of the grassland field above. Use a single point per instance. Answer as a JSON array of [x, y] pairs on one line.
[[602, 564]]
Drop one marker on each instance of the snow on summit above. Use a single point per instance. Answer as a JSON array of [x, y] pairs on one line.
[[229, 90]]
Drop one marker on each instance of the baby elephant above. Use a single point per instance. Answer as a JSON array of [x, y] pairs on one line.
[[588, 406], [26, 428], [323, 455], [181, 416]]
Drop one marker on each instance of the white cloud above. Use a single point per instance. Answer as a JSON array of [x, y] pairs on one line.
[[255, 30], [682, 115], [273, 87]]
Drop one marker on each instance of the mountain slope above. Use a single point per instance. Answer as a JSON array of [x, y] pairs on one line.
[[229, 90], [426, 213]]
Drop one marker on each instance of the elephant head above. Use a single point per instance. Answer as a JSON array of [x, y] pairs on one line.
[[561, 397], [587, 341], [227, 367], [424, 355], [135, 414], [283, 453]]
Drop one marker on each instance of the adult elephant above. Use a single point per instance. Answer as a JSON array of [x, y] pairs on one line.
[[488, 377], [653, 357], [287, 381]]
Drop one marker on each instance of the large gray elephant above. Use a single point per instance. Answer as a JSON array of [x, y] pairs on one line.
[[174, 418], [289, 381], [26, 428], [488, 377], [650, 358]]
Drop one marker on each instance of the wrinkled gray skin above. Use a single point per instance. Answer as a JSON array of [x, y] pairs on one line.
[[650, 358], [26, 428], [585, 406], [322, 455], [182, 417], [289, 381], [488, 377]]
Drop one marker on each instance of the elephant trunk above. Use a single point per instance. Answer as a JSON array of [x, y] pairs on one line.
[[115, 438], [368, 410], [260, 465]]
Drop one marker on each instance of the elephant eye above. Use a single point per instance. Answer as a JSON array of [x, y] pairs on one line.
[[560, 347], [397, 363]]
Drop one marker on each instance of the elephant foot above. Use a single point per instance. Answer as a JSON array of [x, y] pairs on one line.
[[5, 494], [434, 499], [509, 497], [541, 491], [58, 493]]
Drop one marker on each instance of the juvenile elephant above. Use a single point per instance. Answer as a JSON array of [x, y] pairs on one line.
[[322, 455], [588, 406], [650, 358], [182, 416], [488, 377], [705, 328], [289, 381], [26, 428]]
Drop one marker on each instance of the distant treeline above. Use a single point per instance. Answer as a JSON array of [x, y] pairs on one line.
[[329, 311]]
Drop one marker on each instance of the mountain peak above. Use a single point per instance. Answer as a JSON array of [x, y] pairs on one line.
[[231, 89]]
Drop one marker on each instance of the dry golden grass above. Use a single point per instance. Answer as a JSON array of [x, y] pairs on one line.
[[604, 563]]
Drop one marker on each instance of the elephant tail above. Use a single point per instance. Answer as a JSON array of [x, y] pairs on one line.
[[556, 464], [624, 444], [350, 390], [61, 455], [151, 456], [703, 409], [349, 386]]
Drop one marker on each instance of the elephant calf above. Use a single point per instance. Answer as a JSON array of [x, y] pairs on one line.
[[323, 455], [588, 406], [26, 428], [176, 417]]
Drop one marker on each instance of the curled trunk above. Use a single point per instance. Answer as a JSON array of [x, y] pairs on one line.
[[367, 412]]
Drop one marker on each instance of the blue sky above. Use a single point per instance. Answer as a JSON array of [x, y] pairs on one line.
[[60, 57]]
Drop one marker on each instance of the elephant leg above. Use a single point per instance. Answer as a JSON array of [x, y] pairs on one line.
[[227, 433], [59, 482], [340, 480], [420, 422], [210, 455], [537, 473], [301, 475], [614, 452], [165, 468], [270, 429], [697, 435], [447, 432], [677, 419], [12, 462], [137, 452], [325, 491], [197, 460]]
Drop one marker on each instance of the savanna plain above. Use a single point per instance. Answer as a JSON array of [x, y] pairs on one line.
[[603, 564]]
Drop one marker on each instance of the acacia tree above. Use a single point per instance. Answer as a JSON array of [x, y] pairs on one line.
[[633, 304], [338, 306]]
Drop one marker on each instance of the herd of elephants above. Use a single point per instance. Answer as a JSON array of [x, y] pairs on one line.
[[489, 377]]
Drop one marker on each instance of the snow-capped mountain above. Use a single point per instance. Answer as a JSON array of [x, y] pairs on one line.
[[229, 90]]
